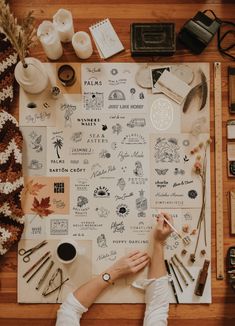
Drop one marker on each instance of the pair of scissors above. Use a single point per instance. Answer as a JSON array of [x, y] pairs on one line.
[[29, 252]]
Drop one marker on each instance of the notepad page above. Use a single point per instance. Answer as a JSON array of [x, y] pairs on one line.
[[106, 39]]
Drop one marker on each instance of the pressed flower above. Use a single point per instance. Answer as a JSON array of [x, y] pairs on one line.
[[197, 168]]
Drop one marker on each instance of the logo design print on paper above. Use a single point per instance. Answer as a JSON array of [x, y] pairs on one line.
[[161, 114], [167, 150]]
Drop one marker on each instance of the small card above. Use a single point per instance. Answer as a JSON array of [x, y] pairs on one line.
[[43, 196], [232, 210], [231, 151], [155, 73], [231, 159], [34, 150], [173, 87], [231, 129]]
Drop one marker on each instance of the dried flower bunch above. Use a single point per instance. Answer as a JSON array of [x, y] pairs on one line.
[[200, 168], [22, 36]]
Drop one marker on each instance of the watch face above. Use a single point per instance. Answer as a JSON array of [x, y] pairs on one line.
[[106, 277]]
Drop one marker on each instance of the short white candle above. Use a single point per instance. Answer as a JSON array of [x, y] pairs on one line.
[[63, 22], [50, 40], [82, 45]]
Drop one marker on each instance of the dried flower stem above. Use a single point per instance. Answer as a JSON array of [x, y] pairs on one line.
[[23, 36], [202, 173]]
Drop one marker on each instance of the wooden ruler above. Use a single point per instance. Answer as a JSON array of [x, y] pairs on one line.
[[218, 173]]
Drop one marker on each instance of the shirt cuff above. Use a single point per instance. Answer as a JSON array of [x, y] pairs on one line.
[[71, 304], [143, 284]]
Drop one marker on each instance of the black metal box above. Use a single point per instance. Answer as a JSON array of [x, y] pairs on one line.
[[153, 39]]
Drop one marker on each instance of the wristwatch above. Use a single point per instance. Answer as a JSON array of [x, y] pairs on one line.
[[107, 278]]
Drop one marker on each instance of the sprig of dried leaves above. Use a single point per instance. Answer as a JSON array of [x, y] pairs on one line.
[[200, 168], [22, 36]]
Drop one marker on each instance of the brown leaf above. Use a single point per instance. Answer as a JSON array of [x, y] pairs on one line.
[[42, 208], [33, 188]]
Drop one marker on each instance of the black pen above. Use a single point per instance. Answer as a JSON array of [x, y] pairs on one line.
[[171, 281], [177, 280]]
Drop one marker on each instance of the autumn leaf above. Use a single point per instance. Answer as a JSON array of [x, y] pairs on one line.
[[42, 208], [33, 188]]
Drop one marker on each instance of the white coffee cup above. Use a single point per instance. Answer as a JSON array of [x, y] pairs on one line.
[[67, 251]]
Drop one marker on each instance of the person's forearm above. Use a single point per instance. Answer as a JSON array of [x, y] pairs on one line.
[[88, 292], [130, 264], [157, 266]]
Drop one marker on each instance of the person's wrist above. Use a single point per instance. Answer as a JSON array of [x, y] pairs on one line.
[[107, 278], [113, 274]]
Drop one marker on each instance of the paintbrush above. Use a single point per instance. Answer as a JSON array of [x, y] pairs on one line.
[[38, 269], [185, 269], [186, 240], [47, 271], [179, 270]]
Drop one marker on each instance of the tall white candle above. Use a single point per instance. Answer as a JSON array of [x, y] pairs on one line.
[[50, 40], [63, 22], [82, 45]]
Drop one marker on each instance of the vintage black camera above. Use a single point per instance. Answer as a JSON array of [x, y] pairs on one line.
[[197, 33]]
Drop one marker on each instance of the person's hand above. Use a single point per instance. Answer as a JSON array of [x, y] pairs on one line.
[[129, 264], [162, 230]]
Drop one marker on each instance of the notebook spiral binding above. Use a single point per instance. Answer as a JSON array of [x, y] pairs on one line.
[[99, 23]]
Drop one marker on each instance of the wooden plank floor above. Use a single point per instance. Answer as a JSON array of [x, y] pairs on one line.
[[122, 13]]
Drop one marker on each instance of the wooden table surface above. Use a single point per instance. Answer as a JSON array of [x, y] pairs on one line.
[[122, 13]]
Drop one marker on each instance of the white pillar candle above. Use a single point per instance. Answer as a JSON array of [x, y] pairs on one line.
[[50, 40], [82, 45], [63, 22]]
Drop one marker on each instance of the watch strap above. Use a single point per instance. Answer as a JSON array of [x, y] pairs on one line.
[[107, 280]]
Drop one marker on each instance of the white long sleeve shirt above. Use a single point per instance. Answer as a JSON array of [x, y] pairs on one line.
[[156, 299]]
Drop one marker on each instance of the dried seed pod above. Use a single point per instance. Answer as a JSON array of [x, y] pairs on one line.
[[185, 228], [183, 252], [194, 231], [192, 258]]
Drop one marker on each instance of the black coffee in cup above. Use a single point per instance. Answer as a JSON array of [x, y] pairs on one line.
[[66, 251]]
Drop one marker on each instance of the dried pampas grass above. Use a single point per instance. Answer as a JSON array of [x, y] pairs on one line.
[[22, 36]]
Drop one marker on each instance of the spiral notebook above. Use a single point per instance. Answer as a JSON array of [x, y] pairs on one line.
[[106, 39]]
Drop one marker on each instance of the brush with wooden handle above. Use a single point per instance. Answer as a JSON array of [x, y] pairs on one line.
[[186, 240]]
